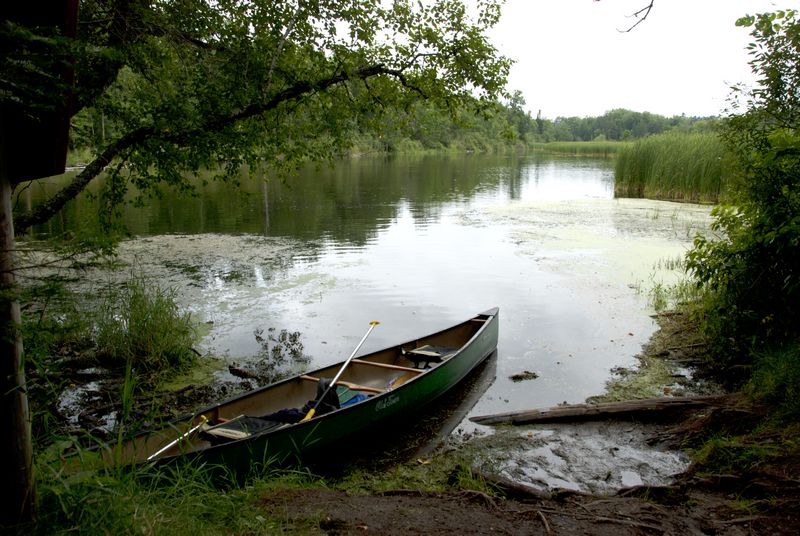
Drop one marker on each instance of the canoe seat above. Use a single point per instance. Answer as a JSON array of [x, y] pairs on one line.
[[241, 427], [425, 355]]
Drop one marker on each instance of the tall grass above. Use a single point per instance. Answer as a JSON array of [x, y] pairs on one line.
[[142, 326], [184, 499], [673, 166], [583, 148]]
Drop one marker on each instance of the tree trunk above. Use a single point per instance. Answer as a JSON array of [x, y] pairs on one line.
[[16, 450]]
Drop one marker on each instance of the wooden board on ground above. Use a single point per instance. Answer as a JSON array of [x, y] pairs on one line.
[[603, 410]]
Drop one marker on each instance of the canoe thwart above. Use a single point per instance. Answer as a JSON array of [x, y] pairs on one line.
[[350, 385], [357, 361], [427, 354]]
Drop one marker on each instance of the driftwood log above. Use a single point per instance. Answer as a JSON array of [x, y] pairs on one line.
[[604, 410]]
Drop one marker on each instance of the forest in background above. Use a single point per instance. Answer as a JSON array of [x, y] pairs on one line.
[[422, 127]]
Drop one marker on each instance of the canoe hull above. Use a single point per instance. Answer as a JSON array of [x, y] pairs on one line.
[[295, 443]]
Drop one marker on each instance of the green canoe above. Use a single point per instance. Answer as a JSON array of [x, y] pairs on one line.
[[382, 385]]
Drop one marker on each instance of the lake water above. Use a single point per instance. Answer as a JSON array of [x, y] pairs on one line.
[[419, 244]]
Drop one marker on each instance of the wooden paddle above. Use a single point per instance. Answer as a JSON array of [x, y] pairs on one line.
[[319, 400]]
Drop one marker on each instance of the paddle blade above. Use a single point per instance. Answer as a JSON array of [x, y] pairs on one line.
[[309, 415]]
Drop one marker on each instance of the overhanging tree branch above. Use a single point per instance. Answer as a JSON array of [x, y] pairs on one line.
[[640, 16], [48, 209]]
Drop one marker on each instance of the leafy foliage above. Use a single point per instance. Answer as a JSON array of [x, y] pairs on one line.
[[750, 271], [175, 87]]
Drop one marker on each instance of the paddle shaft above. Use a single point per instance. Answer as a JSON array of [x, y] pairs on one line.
[[313, 410], [203, 420]]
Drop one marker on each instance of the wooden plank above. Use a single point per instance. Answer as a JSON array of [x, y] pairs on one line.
[[426, 353], [386, 365], [349, 385], [604, 410]]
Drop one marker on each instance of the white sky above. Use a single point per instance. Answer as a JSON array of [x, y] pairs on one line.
[[572, 60]]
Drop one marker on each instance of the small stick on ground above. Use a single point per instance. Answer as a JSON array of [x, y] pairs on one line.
[[544, 521]]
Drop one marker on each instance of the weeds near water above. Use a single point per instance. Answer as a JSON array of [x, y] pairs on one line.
[[663, 296], [673, 166], [583, 148], [675, 264], [142, 325], [280, 355]]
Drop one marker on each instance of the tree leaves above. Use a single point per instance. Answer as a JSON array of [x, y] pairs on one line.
[[204, 82], [751, 271]]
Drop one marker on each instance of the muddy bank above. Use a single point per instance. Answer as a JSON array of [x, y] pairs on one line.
[[761, 501], [604, 478], [575, 481]]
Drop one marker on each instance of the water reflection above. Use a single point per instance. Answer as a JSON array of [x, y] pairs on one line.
[[420, 244], [349, 202]]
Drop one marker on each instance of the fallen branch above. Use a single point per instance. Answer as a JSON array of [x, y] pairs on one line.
[[544, 521], [687, 346], [604, 410]]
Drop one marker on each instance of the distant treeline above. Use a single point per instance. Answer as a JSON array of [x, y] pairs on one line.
[[509, 125], [493, 127]]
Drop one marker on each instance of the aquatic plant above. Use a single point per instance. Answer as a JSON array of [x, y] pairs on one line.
[[673, 166], [582, 148], [140, 324], [279, 356]]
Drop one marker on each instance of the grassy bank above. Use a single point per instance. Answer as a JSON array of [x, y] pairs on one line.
[[674, 167], [188, 500], [582, 148]]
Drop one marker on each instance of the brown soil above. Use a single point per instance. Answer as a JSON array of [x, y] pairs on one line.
[[761, 499], [470, 512]]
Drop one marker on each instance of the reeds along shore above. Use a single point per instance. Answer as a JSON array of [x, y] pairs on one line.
[[674, 167], [582, 148]]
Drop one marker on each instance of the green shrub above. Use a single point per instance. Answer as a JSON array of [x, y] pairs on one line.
[[776, 380], [749, 269]]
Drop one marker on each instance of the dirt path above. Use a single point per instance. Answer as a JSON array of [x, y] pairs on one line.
[[407, 512]]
